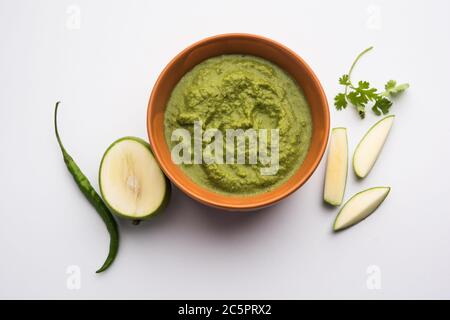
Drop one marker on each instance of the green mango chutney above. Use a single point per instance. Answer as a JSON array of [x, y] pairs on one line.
[[240, 92]]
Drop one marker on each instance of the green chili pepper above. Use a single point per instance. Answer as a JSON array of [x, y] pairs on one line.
[[95, 200]]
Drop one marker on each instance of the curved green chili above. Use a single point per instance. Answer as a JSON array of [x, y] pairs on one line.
[[95, 200]]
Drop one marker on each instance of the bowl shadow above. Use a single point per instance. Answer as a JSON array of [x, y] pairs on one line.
[[186, 211]]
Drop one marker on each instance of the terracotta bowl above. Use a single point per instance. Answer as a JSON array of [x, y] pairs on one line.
[[238, 44]]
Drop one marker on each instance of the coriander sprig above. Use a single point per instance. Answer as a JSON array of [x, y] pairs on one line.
[[359, 96]]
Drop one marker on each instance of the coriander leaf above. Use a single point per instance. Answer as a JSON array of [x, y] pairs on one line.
[[382, 106], [340, 101], [400, 88], [357, 99], [361, 111], [375, 110], [363, 85], [392, 88], [390, 85], [344, 80], [365, 91]]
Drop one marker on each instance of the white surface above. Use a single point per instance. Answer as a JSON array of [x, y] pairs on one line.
[[103, 73]]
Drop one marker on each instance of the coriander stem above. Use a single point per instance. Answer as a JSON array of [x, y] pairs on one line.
[[354, 64]]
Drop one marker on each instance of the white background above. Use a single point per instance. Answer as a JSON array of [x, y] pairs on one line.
[[103, 72]]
